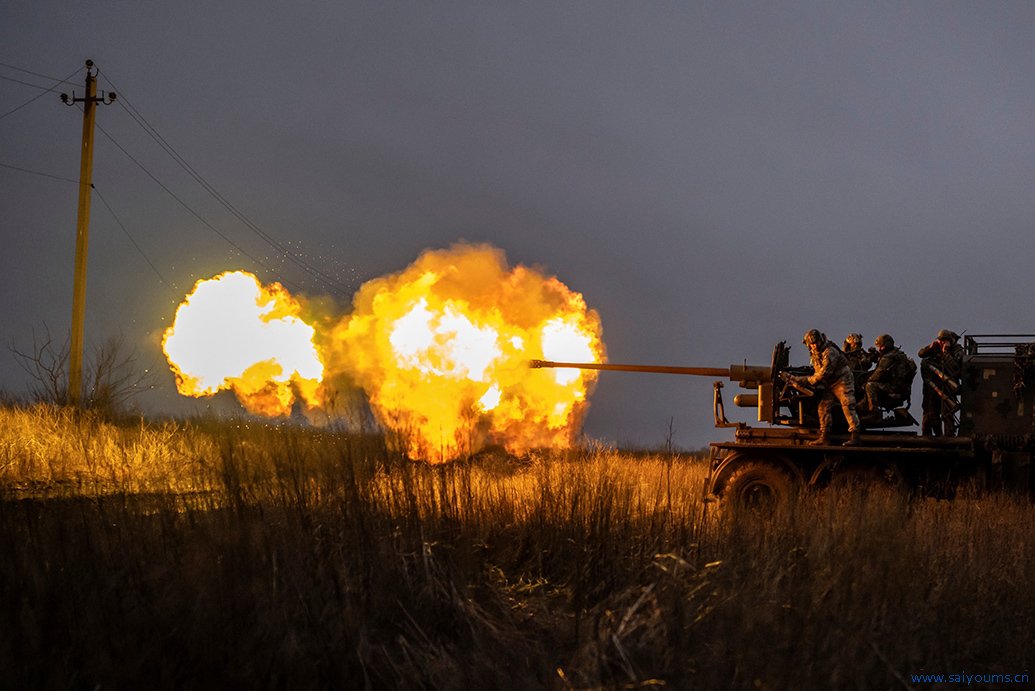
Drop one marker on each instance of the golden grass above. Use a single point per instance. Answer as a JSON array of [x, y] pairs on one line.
[[54, 449], [175, 555]]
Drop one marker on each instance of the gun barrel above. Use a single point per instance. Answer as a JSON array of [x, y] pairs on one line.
[[657, 369]]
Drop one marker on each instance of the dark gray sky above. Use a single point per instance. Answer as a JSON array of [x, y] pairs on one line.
[[713, 177]]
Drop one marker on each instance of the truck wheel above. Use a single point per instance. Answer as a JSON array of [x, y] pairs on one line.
[[757, 487]]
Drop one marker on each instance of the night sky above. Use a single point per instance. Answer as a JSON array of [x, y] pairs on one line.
[[713, 177]]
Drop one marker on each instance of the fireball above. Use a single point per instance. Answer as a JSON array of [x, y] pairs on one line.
[[440, 349], [232, 332]]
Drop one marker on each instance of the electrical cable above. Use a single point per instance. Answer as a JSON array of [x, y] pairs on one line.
[[164, 144], [36, 172], [39, 95], [190, 210], [37, 74], [113, 215], [138, 248], [23, 83], [125, 230], [285, 251], [152, 132]]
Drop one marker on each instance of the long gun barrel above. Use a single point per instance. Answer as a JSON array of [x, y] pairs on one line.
[[748, 376], [657, 369]]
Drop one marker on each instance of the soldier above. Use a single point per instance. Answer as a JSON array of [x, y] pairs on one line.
[[831, 370], [940, 366], [859, 360], [891, 379]]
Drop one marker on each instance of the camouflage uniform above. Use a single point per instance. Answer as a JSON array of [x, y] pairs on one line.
[[859, 361], [832, 371], [946, 355], [892, 377]]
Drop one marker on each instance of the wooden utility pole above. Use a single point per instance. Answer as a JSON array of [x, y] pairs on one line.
[[82, 230]]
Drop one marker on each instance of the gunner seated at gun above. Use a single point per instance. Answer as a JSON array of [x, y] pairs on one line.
[[891, 381]]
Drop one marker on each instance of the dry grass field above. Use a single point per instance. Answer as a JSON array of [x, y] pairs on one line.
[[179, 555]]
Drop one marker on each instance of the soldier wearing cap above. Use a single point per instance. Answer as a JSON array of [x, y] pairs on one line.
[[892, 378], [941, 363], [830, 368]]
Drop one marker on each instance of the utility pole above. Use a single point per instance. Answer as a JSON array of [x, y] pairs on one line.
[[82, 229]]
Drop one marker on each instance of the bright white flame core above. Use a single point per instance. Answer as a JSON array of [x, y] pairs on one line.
[[230, 326]]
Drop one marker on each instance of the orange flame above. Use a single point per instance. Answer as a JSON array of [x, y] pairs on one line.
[[441, 350], [231, 332]]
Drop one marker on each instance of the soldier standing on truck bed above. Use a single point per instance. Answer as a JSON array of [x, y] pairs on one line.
[[940, 366], [892, 379], [859, 361], [831, 370]]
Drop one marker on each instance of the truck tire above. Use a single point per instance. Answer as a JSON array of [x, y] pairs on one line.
[[756, 487]]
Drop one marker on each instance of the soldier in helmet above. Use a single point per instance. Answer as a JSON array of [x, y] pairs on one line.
[[832, 371], [859, 360], [892, 379], [941, 363]]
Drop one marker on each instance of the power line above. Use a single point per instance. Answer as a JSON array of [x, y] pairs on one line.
[[186, 206], [225, 203], [167, 190], [141, 166], [299, 261], [37, 74], [36, 172], [126, 231], [39, 95], [152, 132], [115, 216], [23, 83], [110, 210]]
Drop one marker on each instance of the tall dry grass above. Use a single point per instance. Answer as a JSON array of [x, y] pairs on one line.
[[172, 555], [59, 449]]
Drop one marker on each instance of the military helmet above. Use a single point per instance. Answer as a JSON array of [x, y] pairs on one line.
[[884, 341], [947, 336], [857, 339], [814, 336]]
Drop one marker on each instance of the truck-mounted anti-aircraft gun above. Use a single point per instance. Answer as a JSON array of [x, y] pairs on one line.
[[767, 465]]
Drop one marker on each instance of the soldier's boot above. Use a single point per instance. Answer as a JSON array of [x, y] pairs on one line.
[[854, 439], [822, 440]]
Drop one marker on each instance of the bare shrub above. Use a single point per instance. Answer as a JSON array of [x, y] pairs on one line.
[[111, 376]]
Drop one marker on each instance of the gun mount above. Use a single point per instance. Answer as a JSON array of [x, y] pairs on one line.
[[765, 466], [777, 395]]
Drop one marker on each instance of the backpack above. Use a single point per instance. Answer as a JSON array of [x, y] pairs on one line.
[[908, 372]]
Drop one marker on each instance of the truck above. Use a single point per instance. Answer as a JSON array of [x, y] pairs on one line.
[[767, 464]]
